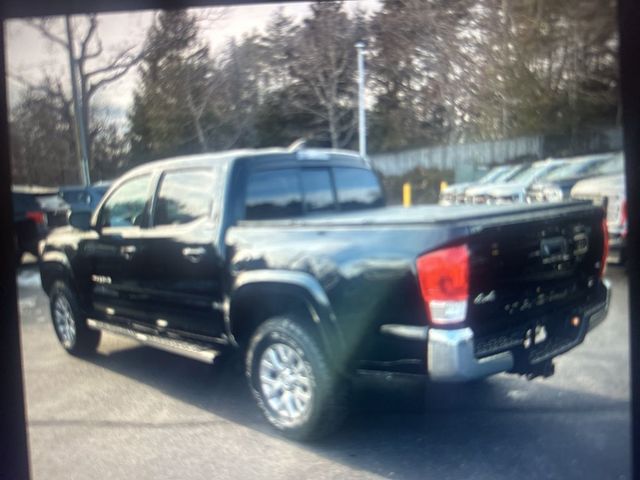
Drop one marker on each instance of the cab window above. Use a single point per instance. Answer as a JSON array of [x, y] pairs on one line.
[[184, 196], [128, 205]]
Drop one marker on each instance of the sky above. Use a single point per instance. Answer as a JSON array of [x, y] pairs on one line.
[[30, 56]]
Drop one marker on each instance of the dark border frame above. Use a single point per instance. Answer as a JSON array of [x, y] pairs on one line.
[[628, 22]]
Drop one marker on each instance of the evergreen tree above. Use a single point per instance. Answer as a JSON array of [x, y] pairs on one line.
[[172, 112], [550, 68]]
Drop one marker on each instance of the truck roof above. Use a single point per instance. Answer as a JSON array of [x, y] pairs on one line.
[[256, 156], [34, 190]]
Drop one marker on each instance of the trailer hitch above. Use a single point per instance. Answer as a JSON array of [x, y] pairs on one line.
[[522, 366], [543, 369]]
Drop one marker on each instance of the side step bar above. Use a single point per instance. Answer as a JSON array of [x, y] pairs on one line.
[[180, 347]]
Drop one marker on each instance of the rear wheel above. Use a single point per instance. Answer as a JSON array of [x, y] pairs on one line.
[[69, 323], [292, 382]]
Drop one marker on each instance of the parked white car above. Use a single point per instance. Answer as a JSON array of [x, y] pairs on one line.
[[556, 187], [513, 191], [455, 194], [608, 191]]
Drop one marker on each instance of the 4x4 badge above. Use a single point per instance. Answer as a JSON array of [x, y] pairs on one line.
[[485, 297]]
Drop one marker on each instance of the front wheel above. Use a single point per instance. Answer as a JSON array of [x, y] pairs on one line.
[[292, 382], [69, 322]]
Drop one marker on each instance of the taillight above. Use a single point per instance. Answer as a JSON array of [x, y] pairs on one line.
[[444, 284], [37, 217], [605, 247], [623, 217]]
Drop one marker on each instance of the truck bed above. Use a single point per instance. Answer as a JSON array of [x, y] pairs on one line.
[[366, 261], [431, 214]]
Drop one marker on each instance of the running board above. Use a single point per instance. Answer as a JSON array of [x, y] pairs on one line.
[[180, 347]]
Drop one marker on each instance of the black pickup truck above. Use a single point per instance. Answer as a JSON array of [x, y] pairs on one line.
[[292, 259]]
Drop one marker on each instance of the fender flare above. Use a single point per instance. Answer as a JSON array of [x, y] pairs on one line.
[[301, 284], [55, 265]]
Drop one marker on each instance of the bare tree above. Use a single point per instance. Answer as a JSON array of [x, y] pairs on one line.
[[323, 67], [94, 71], [43, 143]]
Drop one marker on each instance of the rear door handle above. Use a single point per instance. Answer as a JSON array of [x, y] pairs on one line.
[[127, 251], [193, 254]]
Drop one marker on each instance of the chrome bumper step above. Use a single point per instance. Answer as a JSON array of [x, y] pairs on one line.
[[187, 349]]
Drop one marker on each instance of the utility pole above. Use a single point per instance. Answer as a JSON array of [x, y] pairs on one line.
[[81, 135], [362, 121]]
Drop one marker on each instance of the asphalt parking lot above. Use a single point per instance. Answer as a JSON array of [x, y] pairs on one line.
[[134, 412]]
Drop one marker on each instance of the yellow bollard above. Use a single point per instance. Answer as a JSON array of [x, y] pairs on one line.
[[406, 194], [443, 185]]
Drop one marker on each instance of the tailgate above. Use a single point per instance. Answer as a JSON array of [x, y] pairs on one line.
[[530, 268]]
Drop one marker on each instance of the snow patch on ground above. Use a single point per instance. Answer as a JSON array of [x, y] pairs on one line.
[[27, 302], [29, 279]]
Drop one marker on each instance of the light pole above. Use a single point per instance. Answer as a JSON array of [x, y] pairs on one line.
[[362, 121], [81, 135]]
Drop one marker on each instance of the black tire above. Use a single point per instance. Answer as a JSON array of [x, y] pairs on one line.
[[84, 341], [327, 406]]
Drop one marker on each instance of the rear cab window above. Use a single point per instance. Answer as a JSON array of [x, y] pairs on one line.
[[357, 188], [75, 196], [293, 192], [317, 190], [273, 194]]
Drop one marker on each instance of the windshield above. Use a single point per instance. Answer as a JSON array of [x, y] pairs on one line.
[[577, 168], [494, 174], [612, 166], [74, 196], [508, 175], [534, 172]]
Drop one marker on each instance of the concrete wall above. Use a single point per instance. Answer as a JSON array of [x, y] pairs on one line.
[[467, 160], [450, 157]]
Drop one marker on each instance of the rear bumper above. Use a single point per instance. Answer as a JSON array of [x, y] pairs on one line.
[[451, 353], [452, 357]]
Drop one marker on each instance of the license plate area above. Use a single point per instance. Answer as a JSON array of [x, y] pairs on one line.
[[548, 341], [554, 250], [536, 341]]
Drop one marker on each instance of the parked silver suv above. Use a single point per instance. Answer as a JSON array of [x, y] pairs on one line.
[[455, 194], [609, 191], [514, 190]]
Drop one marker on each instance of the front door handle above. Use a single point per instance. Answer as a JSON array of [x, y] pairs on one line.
[[128, 251], [193, 254]]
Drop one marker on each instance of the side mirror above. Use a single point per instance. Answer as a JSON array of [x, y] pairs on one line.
[[80, 220]]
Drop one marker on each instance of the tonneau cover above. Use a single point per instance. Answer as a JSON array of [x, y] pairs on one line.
[[425, 214]]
